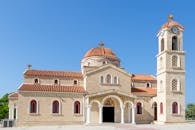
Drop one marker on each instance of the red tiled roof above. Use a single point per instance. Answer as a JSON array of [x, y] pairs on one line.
[[101, 51], [51, 88], [141, 77], [144, 91], [13, 95], [171, 23], [53, 73]]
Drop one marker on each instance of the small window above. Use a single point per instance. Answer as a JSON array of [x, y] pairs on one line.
[[56, 82], [161, 83], [75, 82], [115, 80], [161, 108], [33, 106], [174, 61], [36, 81], [175, 108], [77, 107], [108, 79], [104, 62], [174, 43], [174, 85], [55, 107], [148, 85], [101, 79], [162, 45], [139, 108]]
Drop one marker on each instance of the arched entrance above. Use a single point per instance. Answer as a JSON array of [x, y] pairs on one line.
[[154, 106], [112, 109], [108, 110]]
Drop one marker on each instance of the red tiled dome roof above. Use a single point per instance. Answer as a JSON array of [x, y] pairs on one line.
[[171, 23], [101, 51]]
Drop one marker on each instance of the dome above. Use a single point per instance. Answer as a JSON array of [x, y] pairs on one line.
[[171, 23], [101, 51]]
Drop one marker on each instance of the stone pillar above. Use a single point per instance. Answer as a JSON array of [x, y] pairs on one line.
[[88, 114], [133, 114], [129, 114], [16, 112], [122, 114], [100, 114], [10, 112]]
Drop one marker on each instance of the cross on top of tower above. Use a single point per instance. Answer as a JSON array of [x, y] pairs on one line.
[[170, 17], [101, 44], [29, 66]]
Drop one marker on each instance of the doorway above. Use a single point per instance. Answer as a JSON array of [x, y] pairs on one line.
[[108, 114], [155, 110]]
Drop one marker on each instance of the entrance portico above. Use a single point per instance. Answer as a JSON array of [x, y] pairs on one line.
[[110, 108]]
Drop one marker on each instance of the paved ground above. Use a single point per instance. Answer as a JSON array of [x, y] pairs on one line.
[[187, 126]]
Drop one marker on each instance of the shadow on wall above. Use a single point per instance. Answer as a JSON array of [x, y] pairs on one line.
[[144, 118]]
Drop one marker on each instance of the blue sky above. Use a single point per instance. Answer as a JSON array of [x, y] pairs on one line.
[[55, 35]]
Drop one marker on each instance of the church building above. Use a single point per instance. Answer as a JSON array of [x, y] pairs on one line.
[[104, 92]]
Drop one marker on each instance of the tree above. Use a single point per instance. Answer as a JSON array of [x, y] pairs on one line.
[[4, 107], [190, 111]]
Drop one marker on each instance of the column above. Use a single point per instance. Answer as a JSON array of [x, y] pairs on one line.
[[100, 114], [133, 114], [129, 114], [10, 112], [16, 112], [88, 114], [122, 114]]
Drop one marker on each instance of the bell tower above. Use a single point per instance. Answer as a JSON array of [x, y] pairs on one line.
[[170, 73]]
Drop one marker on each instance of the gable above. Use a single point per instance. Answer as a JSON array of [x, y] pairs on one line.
[[106, 78], [106, 67]]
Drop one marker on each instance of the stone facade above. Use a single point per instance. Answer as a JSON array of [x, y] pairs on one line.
[[171, 73], [103, 91]]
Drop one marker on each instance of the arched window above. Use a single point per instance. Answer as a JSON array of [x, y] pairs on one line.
[[115, 80], [56, 82], [161, 108], [174, 61], [104, 62], [174, 85], [162, 45], [77, 107], [108, 79], [139, 108], [175, 108], [101, 79], [55, 107], [148, 85], [36, 81], [174, 43], [33, 106]]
